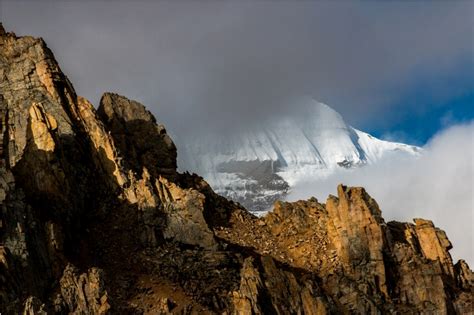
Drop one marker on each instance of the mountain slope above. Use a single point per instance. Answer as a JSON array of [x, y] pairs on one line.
[[259, 165], [95, 220]]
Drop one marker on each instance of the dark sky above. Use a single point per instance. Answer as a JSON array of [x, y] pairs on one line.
[[398, 69]]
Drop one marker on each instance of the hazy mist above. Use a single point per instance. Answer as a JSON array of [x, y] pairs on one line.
[[212, 64]]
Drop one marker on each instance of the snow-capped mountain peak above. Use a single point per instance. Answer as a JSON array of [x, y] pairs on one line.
[[259, 165]]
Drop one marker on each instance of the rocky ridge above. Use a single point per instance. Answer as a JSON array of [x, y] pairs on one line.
[[96, 220]]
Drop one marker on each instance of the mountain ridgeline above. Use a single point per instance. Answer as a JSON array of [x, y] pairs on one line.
[[95, 219]]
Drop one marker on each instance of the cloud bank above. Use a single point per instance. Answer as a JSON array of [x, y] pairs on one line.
[[225, 64], [438, 186]]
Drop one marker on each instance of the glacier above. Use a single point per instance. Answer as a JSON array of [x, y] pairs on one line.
[[261, 164]]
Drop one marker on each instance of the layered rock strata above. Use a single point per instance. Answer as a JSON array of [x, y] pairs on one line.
[[95, 219]]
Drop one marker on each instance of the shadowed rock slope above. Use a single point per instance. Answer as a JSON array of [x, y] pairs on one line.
[[96, 220]]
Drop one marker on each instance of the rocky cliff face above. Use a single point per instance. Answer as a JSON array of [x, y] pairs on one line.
[[95, 219]]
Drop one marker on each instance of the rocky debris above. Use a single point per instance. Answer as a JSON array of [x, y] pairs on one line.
[[95, 219], [300, 231]]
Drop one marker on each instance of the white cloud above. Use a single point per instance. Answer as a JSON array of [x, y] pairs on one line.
[[438, 186]]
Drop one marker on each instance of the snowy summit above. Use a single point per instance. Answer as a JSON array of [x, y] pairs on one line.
[[258, 166]]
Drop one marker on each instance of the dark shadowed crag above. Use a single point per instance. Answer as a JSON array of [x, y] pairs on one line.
[[95, 219]]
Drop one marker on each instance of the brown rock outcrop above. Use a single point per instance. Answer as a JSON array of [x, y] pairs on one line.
[[82, 293], [103, 147], [141, 141], [95, 219], [286, 291], [356, 230], [362, 264], [434, 244]]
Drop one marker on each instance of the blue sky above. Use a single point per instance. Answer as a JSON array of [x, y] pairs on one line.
[[418, 126]]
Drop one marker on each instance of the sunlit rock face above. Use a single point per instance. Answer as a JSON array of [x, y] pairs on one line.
[[95, 219], [260, 165]]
